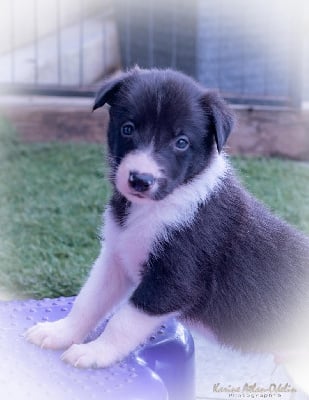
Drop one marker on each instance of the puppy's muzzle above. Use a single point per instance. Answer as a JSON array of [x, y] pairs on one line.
[[141, 182]]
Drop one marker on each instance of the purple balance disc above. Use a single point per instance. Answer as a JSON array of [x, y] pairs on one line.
[[162, 369]]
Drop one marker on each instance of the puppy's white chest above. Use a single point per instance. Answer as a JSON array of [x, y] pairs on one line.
[[131, 243]]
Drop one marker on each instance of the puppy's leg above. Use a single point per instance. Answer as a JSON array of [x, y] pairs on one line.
[[105, 288], [126, 330]]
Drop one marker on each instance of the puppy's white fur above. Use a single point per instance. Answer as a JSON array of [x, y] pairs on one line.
[[116, 273], [126, 330]]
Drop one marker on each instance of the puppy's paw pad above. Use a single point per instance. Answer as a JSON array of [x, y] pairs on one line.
[[50, 335]]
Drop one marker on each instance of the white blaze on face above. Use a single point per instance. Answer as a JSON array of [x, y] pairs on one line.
[[142, 162]]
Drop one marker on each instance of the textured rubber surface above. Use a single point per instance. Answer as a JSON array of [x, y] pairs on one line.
[[163, 368]]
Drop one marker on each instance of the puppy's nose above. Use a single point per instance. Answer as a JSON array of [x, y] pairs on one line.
[[141, 182]]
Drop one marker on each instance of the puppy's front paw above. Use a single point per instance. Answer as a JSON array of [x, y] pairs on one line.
[[95, 354], [53, 335]]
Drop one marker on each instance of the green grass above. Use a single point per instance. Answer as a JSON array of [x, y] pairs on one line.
[[52, 196], [281, 184]]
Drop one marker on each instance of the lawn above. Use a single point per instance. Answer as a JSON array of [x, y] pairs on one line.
[[52, 196]]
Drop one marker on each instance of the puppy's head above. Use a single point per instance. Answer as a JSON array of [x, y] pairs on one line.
[[164, 130]]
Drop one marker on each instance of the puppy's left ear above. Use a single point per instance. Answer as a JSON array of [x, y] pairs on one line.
[[220, 115], [107, 91]]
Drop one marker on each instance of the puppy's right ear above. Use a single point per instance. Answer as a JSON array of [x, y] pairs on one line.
[[107, 91], [220, 115]]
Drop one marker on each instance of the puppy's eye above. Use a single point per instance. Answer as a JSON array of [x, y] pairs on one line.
[[182, 143], [127, 129]]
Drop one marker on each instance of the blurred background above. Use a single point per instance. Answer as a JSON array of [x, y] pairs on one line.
[[255, 52], [252, 51]]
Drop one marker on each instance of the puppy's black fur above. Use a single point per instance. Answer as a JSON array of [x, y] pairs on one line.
[[235, 268]]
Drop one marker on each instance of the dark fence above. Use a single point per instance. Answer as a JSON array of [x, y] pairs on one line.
[[253, 55]]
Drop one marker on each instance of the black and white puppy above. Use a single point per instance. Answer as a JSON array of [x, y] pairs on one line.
[[181, 235]]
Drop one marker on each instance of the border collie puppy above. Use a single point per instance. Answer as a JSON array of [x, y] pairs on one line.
[[181, 236]]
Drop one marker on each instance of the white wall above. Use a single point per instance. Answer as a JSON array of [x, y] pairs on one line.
[[24, 18]]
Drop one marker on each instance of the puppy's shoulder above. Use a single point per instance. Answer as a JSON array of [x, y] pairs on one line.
[[119, 208]]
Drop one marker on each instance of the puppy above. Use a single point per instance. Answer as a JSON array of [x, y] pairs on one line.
[[181, 237]]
